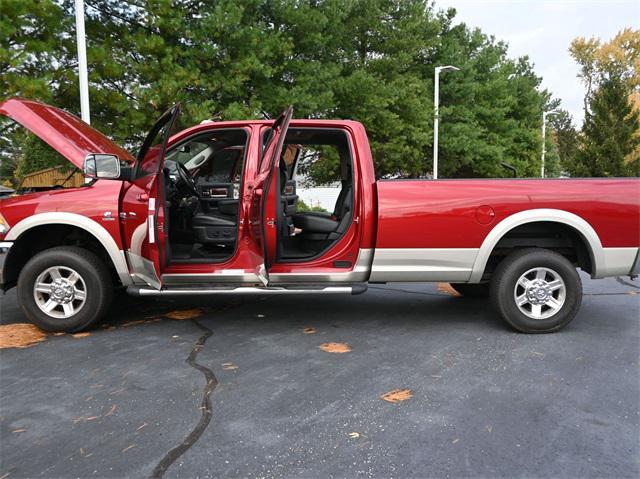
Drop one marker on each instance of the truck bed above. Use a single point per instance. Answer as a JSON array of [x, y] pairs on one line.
[[444, 225]]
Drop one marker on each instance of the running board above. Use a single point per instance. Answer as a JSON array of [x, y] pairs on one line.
[[358, 288]]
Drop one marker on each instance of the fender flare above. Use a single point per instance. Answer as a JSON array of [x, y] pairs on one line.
[[84, 223], [535, 216]]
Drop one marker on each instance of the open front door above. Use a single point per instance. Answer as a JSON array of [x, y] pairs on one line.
[[142, 211], [260, 198]]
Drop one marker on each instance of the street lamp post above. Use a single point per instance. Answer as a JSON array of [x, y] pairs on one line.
[[544, 137], [436, 115], [83, 77]]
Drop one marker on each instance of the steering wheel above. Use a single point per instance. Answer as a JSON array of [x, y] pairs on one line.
[[186, 183]]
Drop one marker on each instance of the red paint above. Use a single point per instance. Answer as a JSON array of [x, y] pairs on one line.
[[442, 213], [91, 201]]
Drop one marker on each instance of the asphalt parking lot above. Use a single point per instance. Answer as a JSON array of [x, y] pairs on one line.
[[240, 387]]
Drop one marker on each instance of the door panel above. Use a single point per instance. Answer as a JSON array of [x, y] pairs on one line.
[[260, 198], [142, 210]]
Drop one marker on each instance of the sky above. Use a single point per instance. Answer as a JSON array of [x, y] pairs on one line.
[[543, 30]]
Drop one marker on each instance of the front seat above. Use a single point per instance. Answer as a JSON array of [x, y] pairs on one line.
[[209, 228]]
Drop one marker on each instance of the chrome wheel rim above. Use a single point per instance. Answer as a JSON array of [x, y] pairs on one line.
[[540, 293], [60, 292]]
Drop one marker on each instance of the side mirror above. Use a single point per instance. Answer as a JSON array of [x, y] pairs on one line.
[[102, 166]]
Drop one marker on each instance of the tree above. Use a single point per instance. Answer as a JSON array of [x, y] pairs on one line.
[[611, 73], [34, 60], [566, 140], [610, 132], [368, 60]]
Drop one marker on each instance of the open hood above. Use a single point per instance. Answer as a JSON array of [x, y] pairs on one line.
[[64, 132]]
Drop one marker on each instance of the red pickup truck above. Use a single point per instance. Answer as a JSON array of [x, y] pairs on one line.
[[214, 209]]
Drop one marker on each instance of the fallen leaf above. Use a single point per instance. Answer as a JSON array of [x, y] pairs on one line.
[[354, 435], [488, 429], [455, 440], [397, 395], [144, 425], [84, 419], [338, 348], [19, 430], [111, 411], [81, 335], [447, 289], [229, 366], [20, 335], [133, 323], [128, 447], [184, 314], [309, 330]]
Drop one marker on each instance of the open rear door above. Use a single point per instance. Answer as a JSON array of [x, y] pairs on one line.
[[142, 213], [262, 225]]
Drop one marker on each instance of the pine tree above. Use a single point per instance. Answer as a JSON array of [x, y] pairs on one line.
[[610, 132]]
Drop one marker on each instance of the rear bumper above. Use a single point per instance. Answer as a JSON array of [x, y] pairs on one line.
[[5, 246]]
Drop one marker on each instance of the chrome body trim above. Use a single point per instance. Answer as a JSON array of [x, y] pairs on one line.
[[92, 156], [5, 246], [144, 269], [239, 290], [534, 216], [222, 276], [422, 264], [87, 224], [359, 274]]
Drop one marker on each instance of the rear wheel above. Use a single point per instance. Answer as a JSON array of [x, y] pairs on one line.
[[65, 289], [536, 290], [480, 290]]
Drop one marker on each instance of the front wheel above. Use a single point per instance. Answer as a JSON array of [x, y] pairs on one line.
[[536, 290], [65, 289]]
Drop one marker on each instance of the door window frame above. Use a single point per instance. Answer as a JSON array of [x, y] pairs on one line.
[[355, 186], [243, 177]]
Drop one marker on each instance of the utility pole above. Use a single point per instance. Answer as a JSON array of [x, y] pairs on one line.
[[82, 62], [436, 117], [544, 137]]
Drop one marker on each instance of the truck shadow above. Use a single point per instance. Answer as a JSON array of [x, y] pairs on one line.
[[380, 306]]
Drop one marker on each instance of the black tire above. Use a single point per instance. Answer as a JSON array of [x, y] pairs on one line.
[[479, 290], [553, 266], [96, 282]]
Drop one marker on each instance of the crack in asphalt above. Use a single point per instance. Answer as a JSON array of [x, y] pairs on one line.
[[206, 408]]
